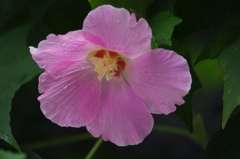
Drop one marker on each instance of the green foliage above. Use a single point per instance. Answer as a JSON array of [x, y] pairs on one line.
[[16, 64], [137, 6], [28, 22], [17, 67], [153, 43], [63, 16], [38, 8], [199, 15], [184, 112], [162, 25], [32, 155], [229, 60], [224, 44], [209, 73], [226, 34], [160, 6], [225, 143], [10, 155], [9, 9]]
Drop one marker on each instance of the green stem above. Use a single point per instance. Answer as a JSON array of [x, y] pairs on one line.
[[199, 135], [175, 130], [57, 141], [200, 131], [94, 149]]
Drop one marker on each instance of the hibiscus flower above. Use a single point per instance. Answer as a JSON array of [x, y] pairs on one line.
[[107, 78]]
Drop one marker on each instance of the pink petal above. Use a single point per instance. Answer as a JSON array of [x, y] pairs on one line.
[[58, 52], [71, 97], [161, 78], [119, 30], [123, 118]]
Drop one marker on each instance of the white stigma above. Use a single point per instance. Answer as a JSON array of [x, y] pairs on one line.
[[107, 66]]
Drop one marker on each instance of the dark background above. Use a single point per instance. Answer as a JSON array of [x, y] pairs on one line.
[[200, 19]]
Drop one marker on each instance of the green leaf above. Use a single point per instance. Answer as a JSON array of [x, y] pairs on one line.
[[184, 112], [223, 37], [153, 43], [16, 68], [160, 6], [9, 9], [225, 143], [32, 155], [39, 7], [11, 15], [229, 60], [10, 155], [199, 15], [137, 6], [96, 3], [162, 25], [64, 16], [208, 71]]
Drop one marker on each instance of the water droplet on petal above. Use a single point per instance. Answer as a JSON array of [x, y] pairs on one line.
[[44, 111], [65, 86], [43, 65], [57, 76], [133, 26], [51, 43], [147, 72], [150, 78], [89, 26], [164, 104], [64, 44], [75, 124], [42, 79], [117, 20], [93, 23]]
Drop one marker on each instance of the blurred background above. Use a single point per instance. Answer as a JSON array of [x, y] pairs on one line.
[[30, 127]]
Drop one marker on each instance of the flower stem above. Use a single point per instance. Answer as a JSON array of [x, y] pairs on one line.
[[57, 141], [94, 148], [175, 130], [200, 131], [199, 135]]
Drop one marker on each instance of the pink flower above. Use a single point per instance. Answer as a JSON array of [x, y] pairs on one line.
[[106, 77]]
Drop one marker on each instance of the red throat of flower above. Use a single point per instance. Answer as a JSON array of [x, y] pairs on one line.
[[108, 63]]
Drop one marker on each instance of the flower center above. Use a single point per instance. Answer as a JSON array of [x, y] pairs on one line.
[[106, 66], [107, 63]]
